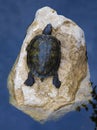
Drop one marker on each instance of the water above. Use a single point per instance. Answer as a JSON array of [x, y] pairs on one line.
[[15, 16]]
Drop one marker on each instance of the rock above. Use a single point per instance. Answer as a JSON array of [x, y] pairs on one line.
[[43, 101]]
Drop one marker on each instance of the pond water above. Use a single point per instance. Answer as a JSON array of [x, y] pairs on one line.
[[15, 17]]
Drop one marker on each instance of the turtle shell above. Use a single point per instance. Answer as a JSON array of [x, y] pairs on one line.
[[43, 55]]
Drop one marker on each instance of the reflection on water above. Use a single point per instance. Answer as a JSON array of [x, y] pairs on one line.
[[93, 104]]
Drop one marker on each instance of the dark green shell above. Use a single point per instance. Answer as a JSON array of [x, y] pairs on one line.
[[43, 55]]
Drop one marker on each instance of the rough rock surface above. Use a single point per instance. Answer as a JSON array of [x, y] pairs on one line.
[[43, 101]]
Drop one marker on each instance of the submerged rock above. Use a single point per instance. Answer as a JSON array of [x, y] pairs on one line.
[[43, 100]]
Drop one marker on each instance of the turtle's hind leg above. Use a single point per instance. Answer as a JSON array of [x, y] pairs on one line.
[[30, 80], [56, 81]]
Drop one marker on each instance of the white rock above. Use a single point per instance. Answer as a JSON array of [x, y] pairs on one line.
[[43, 101]]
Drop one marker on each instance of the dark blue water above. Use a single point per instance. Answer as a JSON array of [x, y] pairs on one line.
[[15, 17]]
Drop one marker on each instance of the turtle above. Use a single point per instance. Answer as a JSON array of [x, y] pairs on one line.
[[43, 57]]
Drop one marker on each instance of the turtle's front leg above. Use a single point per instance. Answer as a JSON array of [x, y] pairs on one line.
[[30, 80], [56, 81]]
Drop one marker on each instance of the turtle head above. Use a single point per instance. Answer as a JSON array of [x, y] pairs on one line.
[[47, 30]]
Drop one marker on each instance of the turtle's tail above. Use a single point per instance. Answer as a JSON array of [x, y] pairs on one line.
[[42, 79]]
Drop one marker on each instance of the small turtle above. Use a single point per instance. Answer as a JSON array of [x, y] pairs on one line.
[[43, 57]]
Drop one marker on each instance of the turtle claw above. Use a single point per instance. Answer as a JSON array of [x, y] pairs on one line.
[[30, 80], [56, 81]]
